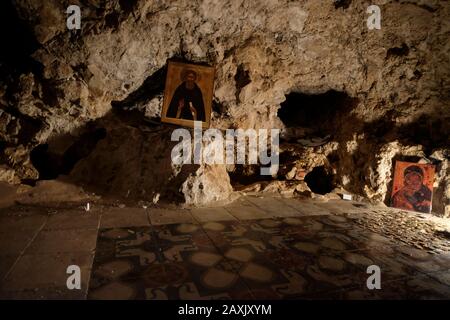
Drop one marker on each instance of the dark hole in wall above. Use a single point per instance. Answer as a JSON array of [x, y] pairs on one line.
[[127, 5], [218, 107], [112, 20], [244, 175], [401, 51], [344, 4], [46, 163], [319, 180], [242, 79], [50, 165], [316, 112]]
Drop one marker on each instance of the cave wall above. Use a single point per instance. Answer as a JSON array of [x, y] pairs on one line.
[[262, 51]]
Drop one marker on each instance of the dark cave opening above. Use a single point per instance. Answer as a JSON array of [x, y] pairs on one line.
[[50, 164], [315, 112], [344, 4], [311, 116], [242, 78], [320, 180], [46, 163], [244, 175]]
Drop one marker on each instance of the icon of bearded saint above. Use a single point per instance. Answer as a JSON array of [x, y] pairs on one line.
[[187, 101], [414, 195]]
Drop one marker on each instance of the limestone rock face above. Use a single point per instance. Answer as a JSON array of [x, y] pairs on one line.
[[398, 78], [207, 185]]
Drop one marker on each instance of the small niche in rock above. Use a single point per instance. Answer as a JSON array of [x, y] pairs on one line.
[[218, 107], [244, 175], [112, 20], [127, 5], [319, 180], [316, 113], [242, 78], [401, 51], [344, 4], [50, 164]]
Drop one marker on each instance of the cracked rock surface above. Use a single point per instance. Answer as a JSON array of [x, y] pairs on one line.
[[65, 82]]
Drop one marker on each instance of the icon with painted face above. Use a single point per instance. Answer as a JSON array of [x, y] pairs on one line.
[[414, 195], [187, 101]]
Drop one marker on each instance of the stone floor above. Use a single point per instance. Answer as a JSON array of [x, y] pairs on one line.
[[254, 248]]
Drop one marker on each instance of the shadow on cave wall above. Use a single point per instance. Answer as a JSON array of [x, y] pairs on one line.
[[328, 113], [60, 155], [50, 164], [319, 114], [101, 150]]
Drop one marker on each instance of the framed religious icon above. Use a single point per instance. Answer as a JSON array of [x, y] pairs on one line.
[[188, 94], [413, 186]]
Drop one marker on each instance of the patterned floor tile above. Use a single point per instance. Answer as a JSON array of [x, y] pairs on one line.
[[176, 261], [261, 253], [286, 257], [391, 267], [421, 260]]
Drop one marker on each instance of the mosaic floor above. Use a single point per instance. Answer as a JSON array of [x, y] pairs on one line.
[[254, 248], [309, 257]]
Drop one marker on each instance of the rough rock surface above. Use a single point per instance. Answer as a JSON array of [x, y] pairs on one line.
[[207, 185], [398, 78]]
